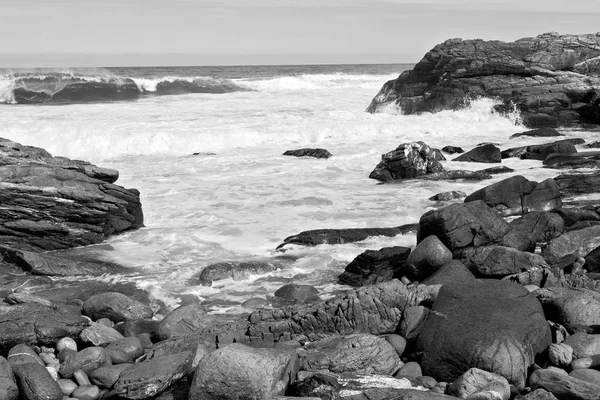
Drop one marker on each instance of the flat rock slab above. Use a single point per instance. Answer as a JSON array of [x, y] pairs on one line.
[[149, 378], [32, 323]]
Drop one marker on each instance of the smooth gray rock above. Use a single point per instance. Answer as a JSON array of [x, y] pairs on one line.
[[563, 386], [116, 307]]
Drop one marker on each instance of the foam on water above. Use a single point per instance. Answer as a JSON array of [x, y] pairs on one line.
[[239, 198]]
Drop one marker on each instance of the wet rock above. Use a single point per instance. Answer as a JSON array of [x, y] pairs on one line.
[[541, 226], [86, 360], [588, 159], [341, 236], [315, 153], [578, 183], [501, 169], [452, 149], [550, 79], [427, 257], [138, 327], [570, 306], [446, 196], [374, 266], [182, 321], [465, 225], [500, 261], [579, 242], [35, 383], [236, 368], [517, 195], [563, 386], [572, 216], [493, 325], [125, 350], [366, 354], [149, 378], [409, 160], [99, 335], [296, 293], [452, 272], [106, 377], [116, 307], [72, 203], [8, 385], [235, 270], [32, 323], [487, 153], [476, 380], [541, 132]]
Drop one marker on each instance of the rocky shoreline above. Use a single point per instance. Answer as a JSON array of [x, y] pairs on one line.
[[498, 299]]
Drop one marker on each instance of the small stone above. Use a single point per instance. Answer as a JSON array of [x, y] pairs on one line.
[[86, 392], [106, 322], [67, 386], [66, 343], [409, 370], [560, 355], [106, 377]]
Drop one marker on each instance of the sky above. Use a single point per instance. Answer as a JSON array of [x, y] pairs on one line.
[[103, 33]]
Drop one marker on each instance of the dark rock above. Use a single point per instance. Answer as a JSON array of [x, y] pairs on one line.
[[571, 216], [578, 183], [8, 385], [589, 159], [427, 257], [149, 378], [501, 169], [409, 160], [106, 377], [99, 335], [36, 383], [452, 272], [365, 354], [116, 307], [182, 321], [44, 264], [542, 226], [518, 195], [542, 151], [31, 323], [374, 266], [413, 319], [63, 199], [500, 261], [445, 196], [593, 145], [341, 236], [578, 242], [315, 153], [592, 261], [551, 79], [125, 350], [234, 270], [237, 371], [87, 360], [493, 325], [563, 386], [570, 306], [537, 277], [542, 132], [452, 149], [483, 154], [138, 327], [466, 225], [295, 293]]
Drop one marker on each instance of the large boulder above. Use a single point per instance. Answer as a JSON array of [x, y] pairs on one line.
[[570, 306], [541, 226], [31, 323], [237, 371], [116, 307], [427, 257], [374, 266], [51, 203], [409, 160], [366, 354], [496, 326], [551, 79], [500, 261], [517, 195], [580, 242], [488, 153], [466, 225]]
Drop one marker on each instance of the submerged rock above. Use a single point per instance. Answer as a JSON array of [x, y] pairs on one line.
[[542, 132], [550, 79], [315, 153], [52, 203]]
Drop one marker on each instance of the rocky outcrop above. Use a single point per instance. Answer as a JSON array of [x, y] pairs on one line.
[[409, 160], [374, 266], [52, 203], [551, 79]]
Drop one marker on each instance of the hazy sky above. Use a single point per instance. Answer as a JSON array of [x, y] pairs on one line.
[[222, 32]]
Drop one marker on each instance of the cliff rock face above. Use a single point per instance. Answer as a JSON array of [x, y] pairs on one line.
[[551, 79], [51, 203]]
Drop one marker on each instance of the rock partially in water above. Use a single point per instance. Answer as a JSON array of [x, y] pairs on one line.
[[409, 160], [541, 132], [308, 152], [452, 149], [116, 307], [374, 266], [446, 196], [236, 270], [483, 154], [295, 293]]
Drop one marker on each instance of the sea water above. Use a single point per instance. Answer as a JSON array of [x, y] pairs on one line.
[[204, 148]]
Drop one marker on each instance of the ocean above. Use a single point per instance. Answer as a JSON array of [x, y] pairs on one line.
[[204, 147]]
